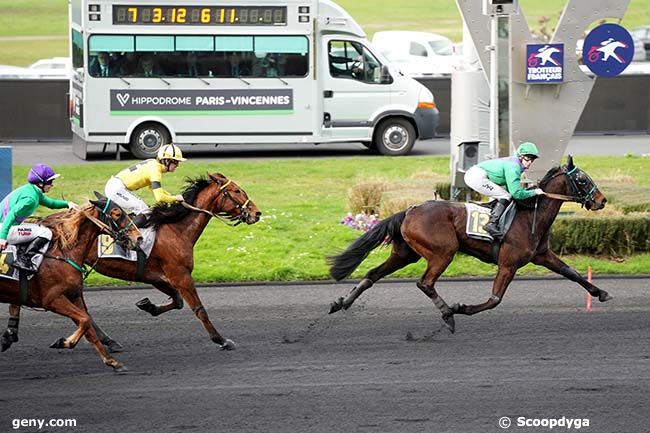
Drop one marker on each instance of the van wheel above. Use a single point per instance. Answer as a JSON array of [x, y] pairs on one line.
[[147, 139], [394, 137]]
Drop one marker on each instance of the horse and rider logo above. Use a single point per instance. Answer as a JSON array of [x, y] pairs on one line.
[[608, 49], [544, 63]]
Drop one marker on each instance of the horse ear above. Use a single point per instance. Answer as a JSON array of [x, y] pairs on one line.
[[569, 162], [99, 195], [215, 177]]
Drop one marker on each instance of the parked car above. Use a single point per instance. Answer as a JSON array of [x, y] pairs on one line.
[[10, 71], [56, 67], [639, 51], [643, 34], [417, 53]]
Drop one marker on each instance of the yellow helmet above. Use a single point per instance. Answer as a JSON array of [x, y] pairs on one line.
[[170, 151]]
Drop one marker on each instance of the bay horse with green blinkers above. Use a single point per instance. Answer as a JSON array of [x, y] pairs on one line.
[[435, 230]]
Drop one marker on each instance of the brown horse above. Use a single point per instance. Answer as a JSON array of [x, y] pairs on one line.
[[170, 264], [435, 230], [58, 284]]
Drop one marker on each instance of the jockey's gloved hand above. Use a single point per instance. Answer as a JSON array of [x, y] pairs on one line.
[[539, 191], [72, 205], [180, 198], [3, 244]]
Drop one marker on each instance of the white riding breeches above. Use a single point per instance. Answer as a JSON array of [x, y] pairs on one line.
[[476, 178], [118, 192], [27, 232]]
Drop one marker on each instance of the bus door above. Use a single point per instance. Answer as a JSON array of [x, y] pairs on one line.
[[352, 89]]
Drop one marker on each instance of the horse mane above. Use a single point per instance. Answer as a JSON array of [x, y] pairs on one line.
[[65, 226], [549, 175], [164, 213]]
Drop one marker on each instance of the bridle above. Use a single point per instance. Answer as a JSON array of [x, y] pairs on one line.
[[225, 217], [582, 187], [106, 224]]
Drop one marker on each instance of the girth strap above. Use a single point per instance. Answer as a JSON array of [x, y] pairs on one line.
[[23, 282], [142, 258]]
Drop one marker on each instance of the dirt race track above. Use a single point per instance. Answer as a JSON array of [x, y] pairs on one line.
[[383, 366]]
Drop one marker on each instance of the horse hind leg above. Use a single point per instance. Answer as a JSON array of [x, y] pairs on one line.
[[437, 265], [401, 256], [176, 302], [10, 336]]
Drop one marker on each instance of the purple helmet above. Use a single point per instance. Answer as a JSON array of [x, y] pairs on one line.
[[41, 173]]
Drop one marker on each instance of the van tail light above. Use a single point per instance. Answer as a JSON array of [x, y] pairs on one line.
[[430, 105]]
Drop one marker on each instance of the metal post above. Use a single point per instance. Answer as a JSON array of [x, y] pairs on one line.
[[6, 181], [494, 85]]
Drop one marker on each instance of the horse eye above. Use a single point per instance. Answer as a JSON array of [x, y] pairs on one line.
[[237, 191]]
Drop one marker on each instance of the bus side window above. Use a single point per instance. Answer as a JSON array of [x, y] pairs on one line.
[[296, 65]]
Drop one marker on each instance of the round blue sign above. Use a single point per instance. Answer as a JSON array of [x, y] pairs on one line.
[[607, 50]]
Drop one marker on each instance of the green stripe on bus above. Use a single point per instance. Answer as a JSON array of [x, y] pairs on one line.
[[202, 113]]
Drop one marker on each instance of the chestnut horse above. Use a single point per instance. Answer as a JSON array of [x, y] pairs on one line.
[[58, 284], [169, 266], [435, 230]]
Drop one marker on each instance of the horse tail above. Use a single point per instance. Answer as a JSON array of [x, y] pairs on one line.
[[342, 265]]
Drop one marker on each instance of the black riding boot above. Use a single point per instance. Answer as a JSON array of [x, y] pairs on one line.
[[492, 226], [140, 220], [24, 261]]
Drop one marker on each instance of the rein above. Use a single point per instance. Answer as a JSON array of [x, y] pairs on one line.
[[221, 216]]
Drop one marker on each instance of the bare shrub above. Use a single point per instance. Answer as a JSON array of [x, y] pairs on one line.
[[366, 196]]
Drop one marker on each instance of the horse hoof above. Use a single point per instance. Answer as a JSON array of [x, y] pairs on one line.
[[7, 339], [114, 347], [58, 344], [604, 296], [450, 322], [228, 345], [336, 305], [146, 305], [120, 368]]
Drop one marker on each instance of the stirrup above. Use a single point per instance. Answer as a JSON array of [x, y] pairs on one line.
[[21, 265], [492, 229]]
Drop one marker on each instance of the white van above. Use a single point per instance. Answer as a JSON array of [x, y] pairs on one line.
[[418, 54], [289, 71]]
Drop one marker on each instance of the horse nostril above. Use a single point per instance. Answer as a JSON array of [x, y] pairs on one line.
[[604, 201], [258, 214]]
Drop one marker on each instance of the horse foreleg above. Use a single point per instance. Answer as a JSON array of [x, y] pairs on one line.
[[401, 256], [112, 345], [504, 276], [549, 260], [77, 312], [10, 336]]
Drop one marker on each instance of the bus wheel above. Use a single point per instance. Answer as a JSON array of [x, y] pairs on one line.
[[394, 137], [147, 139]]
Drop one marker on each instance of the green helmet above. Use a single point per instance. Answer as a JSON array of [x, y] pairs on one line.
[[528, 148]]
